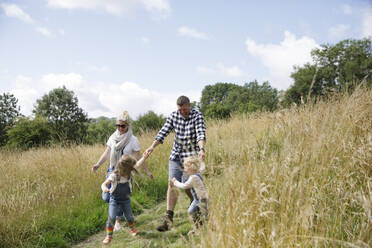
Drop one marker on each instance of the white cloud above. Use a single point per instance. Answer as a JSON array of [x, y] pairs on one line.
[[203, 69], [367, 22], [115, 7], [191, 32], [347, 9], [280, 58], [221, 69], [44, 31], [233, 71], [72, 81], [145, 40], [25, 94], [157, 5], [137, 100], [12, 10], [93, 68], [99, 99], [338, 32]]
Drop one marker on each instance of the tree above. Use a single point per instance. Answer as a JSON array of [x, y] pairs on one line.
[[9, 111], [148, 122], [335, 68], [217, 110], [99, 130], [27, 133], [263, 96], [222, 99], [347, 61], [253, 97], [215, 94], [60, 108]]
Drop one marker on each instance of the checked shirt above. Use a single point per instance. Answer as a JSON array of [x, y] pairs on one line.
[[188, 131]]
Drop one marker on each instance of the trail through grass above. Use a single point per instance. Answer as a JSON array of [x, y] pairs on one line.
[[147, 235]]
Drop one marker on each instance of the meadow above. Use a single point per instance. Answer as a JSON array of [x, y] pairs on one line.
[[298, 177]]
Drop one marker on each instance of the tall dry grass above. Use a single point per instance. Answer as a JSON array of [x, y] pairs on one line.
[[37, 184], [300, 177], [50, 197]]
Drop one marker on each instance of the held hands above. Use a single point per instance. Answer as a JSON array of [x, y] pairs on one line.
[[148, 151], [146, 154], [201, 155], [106, 191]]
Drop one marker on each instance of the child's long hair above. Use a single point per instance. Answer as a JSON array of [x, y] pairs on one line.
[[125, 166]]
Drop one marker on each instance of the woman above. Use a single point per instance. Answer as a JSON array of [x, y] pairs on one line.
[[121, 142]]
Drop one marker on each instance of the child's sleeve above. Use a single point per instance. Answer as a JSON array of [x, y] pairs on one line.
[[105, 184], [185, 185], [140, 163], [202, 167]]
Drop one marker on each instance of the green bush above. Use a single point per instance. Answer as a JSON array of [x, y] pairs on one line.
[[27, 133], [217, 111], [148, 122], [99, 130]]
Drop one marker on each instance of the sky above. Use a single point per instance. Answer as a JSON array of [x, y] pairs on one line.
[[140, 55]]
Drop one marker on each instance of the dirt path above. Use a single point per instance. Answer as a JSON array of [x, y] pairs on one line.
[[147, 235]]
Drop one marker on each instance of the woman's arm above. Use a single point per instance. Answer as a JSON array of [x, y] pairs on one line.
[[105, 155]]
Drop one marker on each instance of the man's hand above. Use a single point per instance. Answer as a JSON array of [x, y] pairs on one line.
[[201, 154], [148, 151]]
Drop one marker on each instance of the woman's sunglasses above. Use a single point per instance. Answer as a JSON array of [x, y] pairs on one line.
[[122, 126]]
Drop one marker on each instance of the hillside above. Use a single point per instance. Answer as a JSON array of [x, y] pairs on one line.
[[297, 177]]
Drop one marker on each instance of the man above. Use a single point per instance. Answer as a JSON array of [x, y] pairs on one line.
[[189, 127]]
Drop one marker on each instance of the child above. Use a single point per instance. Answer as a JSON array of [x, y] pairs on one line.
[[120, 194], [192, 167]]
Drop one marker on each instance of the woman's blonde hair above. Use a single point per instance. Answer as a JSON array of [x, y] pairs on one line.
[[192, 162], [125, 166], [123, 117]]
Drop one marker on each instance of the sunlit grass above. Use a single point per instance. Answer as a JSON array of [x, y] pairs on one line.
[[50, 196], [299, 177]]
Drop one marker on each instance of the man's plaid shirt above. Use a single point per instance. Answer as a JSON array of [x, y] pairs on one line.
[[187, 133]]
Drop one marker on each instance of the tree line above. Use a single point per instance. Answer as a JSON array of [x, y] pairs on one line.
[[59, 119]]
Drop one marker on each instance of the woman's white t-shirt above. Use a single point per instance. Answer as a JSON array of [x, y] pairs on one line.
[[132, 146]]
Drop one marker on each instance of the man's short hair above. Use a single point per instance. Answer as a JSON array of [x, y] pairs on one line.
[[182, 100]]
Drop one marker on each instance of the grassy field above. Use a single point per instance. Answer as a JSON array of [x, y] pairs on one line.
[[299, 177], [147, 235]]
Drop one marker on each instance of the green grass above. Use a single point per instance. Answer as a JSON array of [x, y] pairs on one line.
[[147, 235], [300, 177]]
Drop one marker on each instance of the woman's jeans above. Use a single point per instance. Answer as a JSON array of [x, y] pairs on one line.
[[120, 204], [106, 196]]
